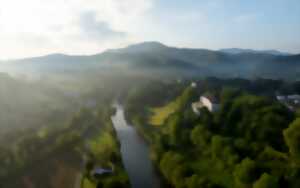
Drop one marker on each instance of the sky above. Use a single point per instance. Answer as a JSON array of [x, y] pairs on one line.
[[38, 27]]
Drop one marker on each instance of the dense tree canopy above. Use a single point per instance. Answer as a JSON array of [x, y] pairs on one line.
[[292, 139], [250, 142]]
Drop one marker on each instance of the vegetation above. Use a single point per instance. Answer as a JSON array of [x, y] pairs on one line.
[[160, 114], [87, 138], [252, 141], [104, 152], [65, 148], [155, 59]]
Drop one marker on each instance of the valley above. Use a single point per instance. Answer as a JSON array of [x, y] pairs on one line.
[[244, 132]]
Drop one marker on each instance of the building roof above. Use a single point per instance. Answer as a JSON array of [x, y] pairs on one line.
[[100, 171], [213, 98]]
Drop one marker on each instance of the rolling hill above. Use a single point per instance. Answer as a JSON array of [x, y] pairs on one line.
[[239, 51], [153, 57]]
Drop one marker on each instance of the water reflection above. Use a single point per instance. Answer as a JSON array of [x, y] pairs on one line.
[[135, 153]]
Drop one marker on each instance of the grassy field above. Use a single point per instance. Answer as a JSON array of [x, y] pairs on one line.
[[160, 114]]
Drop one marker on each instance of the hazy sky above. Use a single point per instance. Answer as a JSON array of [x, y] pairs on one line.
[[38, 27]]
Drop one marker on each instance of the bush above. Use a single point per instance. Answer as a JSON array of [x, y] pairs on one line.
[[245, 172], [292, 139], [266, 181]]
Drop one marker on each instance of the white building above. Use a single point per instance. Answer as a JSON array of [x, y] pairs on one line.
[[291, 101], [294, 97], [193, 84], [210, 104], [205, 101], [281, 97]]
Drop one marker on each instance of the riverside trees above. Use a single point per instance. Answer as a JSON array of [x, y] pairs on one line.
[[251, 142]]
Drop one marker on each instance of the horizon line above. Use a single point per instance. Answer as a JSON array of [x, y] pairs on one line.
[[145, 42]]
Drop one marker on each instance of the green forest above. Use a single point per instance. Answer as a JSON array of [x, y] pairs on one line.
[[252, 141], [60, 140], [85, 141], [149, 94]]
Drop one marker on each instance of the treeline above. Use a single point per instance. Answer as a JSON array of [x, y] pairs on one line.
[[57, 130], [138, 100], [252, 141], [56, 157], [259, 86], [28, 104], [103, 151]]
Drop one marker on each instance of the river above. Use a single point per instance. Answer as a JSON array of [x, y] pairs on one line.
[[135, 153]]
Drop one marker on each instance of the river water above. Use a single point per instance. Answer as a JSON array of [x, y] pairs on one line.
[[135, 153]]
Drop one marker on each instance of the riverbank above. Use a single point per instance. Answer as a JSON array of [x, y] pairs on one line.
[[135, 153], [103, 165], [234, 147]]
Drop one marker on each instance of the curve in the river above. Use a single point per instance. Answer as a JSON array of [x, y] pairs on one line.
[[135, 153]]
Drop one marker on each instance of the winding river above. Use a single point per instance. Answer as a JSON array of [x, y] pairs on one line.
[[135, 153]]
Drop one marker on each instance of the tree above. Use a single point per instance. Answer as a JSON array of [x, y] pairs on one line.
[[255, 118], [245, 173], [292, 139], [266, 181], [195, 181], [218, 143], [178, 175], [169, 162], [174, 128], [206, 118], [189, 95], [200, 136]]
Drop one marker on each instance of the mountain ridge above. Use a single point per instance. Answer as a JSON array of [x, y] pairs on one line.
[[157, 57], [241, 50], [157, 45]]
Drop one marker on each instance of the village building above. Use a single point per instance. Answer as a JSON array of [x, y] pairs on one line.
[[98, 172], [194, 85], [291, 101], [206, 101]]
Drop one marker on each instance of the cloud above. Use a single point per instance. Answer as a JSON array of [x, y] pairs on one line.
[[99, 30], [36, 27]]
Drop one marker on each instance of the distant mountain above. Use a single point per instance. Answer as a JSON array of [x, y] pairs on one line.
[[154, 57], [143, 47], [239, 51]]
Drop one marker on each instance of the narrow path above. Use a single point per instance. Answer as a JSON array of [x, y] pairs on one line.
[[135, 154]]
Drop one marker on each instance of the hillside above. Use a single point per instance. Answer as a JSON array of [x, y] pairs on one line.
[[240, 50], [154, 57]]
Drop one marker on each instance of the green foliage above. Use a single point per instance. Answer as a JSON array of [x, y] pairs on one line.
[[256, 119], [68, 139], [274, 162], [207, 118], [292, 139], [105, 146], [88, 183], [195, 181], [201, 137], [229, 148], [64, 148], [218, 144], [245, 172], [169, 161], [174, 129], [162, 113], [266, 181], [188, 96]]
